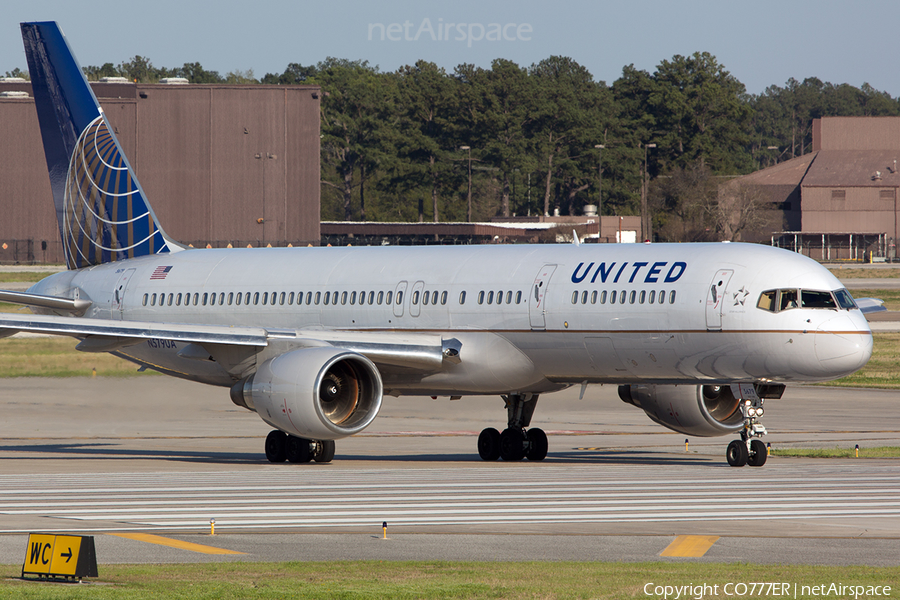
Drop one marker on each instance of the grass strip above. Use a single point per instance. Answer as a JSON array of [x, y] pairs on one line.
[[877, 452], [439, 580], [57, 357]]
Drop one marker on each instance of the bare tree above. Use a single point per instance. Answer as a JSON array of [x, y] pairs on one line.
[[739, 210]]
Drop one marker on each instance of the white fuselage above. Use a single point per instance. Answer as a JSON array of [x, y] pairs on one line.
[[682, 313]]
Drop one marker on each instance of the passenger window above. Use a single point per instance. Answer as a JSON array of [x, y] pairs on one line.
[[443, 298], [327, 298], [481, 297], [281, 298], [490, 299], [178, 299], [146, 298], [462, 297], [343, 297], [352, 298], [662, 297], [631, 297], [434, 298], [643, 296], [318, 297], [672, 297], [196, 298], [499, 297], [584, 297], [221, 298], [400, 297], [415, 298], [274, 297], [153, 300], [291, 298], [612, 297], [380, 298], [594, 297], [652, 298], [519, 297], [788, 299], [603, 297], [575, 297], [371, 297], [309, 298], [387, 299], [622, 297], [203, 302], [425, 297], [811, 299]]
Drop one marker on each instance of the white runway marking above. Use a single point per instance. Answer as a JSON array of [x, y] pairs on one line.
[[298, 497]]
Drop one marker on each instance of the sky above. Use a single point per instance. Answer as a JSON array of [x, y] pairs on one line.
[[760, 42]]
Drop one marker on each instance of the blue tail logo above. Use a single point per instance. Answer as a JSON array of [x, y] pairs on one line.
[[102, 210]]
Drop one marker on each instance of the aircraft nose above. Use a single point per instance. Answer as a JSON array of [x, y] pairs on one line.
[[844, 344]]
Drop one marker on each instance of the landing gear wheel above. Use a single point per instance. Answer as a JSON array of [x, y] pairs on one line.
[[737, 453], [276, 446], [537, 444], [325, 451], [489, 444], [512, 444], [758, 454], [297, 450]]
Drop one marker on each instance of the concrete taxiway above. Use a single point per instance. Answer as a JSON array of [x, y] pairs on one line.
[[152, 455]]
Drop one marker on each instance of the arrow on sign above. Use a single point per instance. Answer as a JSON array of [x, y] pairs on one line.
[[68, 556]]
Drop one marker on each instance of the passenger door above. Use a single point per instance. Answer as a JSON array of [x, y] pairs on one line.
[[715, 299], [537, 297]]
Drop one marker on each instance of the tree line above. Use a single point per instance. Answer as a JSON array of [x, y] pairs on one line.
[[401, 145]]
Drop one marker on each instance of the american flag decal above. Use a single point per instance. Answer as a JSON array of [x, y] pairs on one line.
[[160, 272]]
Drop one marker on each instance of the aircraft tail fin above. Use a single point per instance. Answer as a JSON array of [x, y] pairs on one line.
[[103, 213]]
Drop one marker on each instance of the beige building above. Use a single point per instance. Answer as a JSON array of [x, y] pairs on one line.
[[220, 164], [839, 202]]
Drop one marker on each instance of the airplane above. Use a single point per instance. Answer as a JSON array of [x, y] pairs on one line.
[[311, 339]]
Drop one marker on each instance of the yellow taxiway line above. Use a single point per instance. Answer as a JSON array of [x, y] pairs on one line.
[[172, 543], [691, 546]]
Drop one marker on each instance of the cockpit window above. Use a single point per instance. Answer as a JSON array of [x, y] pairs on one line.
[[845, 299], [767, 300], [779, 300], [809, 299], [788, 299]]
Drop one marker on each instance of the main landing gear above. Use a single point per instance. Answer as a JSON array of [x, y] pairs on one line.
[[516, 442], [748, 450], [282, 447]]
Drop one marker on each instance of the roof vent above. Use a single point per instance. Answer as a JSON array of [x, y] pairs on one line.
[[13, 94], [173, 81], [114, 80]]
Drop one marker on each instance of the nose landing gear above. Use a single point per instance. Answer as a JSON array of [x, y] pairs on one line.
[[748, 450]]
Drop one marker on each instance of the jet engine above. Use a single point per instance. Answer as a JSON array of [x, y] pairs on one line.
[[698, 410], [322, 393]]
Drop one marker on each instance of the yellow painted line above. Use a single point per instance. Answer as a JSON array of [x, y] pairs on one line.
[[692, 546], [164, 541]]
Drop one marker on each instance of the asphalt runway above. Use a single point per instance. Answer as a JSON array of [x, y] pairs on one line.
[[153, 455]]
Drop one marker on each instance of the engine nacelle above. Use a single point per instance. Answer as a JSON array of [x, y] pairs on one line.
[[698, 410], [321, 393]]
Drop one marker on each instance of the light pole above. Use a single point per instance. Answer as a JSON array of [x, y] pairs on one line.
[[599, 148], [645, 191], [469, 195]]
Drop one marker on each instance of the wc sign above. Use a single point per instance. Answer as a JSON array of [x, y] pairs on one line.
[[65, 556]]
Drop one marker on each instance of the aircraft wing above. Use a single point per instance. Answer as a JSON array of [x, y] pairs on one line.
[[423, 352]]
